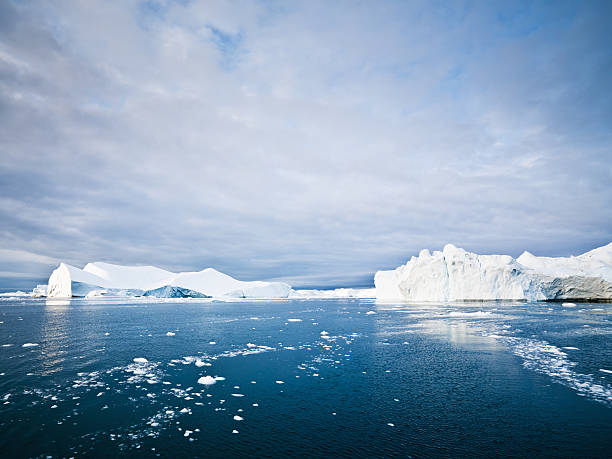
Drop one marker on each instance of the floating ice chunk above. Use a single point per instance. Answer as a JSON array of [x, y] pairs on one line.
[[571, 348], [237, 395], [53, 406], [212, 342], [30, 345], [294, 320], [6, 345], [187, 433], [603, 370], [568, 305], [234, 431], [238, 418], [255, 404], [140, 360], [200, 363], [207, 380], [324, 333], [185, 410], [370, 313], [280, 382], [170, 334], [251, 345], [390, 424]]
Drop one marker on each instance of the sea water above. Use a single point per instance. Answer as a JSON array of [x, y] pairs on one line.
[[306, 378]]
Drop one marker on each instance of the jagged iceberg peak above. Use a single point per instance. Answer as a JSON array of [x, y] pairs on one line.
[[455, 274], [67, 281]]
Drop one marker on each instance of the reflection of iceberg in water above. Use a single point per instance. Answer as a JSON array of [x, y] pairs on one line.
[[54, 335]]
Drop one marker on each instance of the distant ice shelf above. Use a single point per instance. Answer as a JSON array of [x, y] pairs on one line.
[[101, 279], [454, 274]]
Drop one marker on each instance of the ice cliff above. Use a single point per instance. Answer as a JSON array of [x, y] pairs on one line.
[[454, 274], [104, 278]]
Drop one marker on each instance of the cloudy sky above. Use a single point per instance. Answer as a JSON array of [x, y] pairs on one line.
[[311, 141]]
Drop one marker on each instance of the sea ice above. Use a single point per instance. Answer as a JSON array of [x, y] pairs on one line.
[[140, 360], [238, 418], [170, 334], [30, 345], [207, 380]]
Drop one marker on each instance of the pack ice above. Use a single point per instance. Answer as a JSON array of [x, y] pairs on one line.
[[105, 278], [454, 274]]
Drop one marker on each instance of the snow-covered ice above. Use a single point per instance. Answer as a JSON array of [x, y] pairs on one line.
[[454, 274], [108, 279], [207, 380]]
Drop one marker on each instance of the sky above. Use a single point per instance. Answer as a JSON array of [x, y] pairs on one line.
[[310, 141]]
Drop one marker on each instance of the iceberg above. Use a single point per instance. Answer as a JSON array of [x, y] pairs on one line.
[[108, 279], [174, 292], [454, 274]]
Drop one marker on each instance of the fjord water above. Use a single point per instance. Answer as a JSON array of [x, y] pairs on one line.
[[306, 378]]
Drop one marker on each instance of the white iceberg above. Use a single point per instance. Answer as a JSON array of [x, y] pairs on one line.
[[454, 274], [104, 278]]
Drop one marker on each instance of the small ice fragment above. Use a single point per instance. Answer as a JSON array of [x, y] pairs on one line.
[[154, 424], [253, 382], [568, 305], [170, 334], [390, 424], [140, 360], [100, 394], [280, 382], [234, 431], [30, 345], [187, 433], [200, 363], [185, 410], [255, 404], [334, 413], [237, 395], [212, 342], [251, 345], [324, 332], [207, 380], [571, 348], [370, 313], [219, 378], [106, 334], [603, 370], [294, 320], [54, 406], [238, 418]]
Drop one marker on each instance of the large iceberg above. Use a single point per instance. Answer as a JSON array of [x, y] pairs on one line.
[[67, 281], [454, 274]]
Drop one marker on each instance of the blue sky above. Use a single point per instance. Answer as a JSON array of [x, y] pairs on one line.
[[314, 142]]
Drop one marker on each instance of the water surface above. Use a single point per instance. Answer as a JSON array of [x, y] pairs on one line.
[[304, 378]]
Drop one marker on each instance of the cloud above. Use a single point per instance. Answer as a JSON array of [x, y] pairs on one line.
[[302, 140]]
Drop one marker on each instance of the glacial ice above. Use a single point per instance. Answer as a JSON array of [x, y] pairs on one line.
[[108, 279], [454, 274]]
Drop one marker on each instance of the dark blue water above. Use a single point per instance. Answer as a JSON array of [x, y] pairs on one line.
[[473, 380]]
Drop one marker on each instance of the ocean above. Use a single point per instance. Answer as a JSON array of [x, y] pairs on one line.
[[304, 378]]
